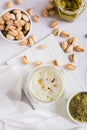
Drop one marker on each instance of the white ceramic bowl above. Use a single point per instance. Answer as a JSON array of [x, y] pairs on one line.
[[28, 87], [68, 111], [9, 10]]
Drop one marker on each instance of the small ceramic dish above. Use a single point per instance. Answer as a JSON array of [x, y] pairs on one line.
[[45, 84], [15, 19], [77, 107]]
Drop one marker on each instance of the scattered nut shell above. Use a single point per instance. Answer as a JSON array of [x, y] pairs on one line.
[[30, 42], [34, 38], [72, 40], [25, 60], [56, 63], [64, 45], [56, 32], [18, 1], [9, 4], [78, 48], [72, 58], [2, 27], [54, 24], [65, 34], [36, 18], [45, 12], [69, 49], [13, 33], [50, 6], [1, 21], [52, 1], [37, 63], [52, 12], [70, 67], [9, 37], [27, 26], [30, 11], [23, 43], [41, 47]]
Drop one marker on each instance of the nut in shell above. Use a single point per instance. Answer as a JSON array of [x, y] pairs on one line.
[[9, 4], [54, 24], [30, 11], [36, 18], [37, 63], [52, 12], [72, 40], [41, 47], [65, 34], [56, 63], [23, 43], [25, 60], [56, 32], [64, 45], [30, 42], [70, 66], [50, 6], [45, 12], [18, 1], [72, 58], [78, 48], [69, 49]]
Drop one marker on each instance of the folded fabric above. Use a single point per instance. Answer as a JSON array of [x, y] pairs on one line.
[[16, 115]]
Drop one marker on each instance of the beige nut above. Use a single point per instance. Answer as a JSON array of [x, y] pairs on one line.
[[27, 26], [25, 60], [30, 11], [56, 62], [19, 29], [18, 1], [50, 6], [34, 38], [9, 37], [1, 21], [10, 27], [23, 43], [52, 1], [16, 11], [2, 27], [72, 40], [70, 66], [65, 34], [18, 16], [36, 18], [41, 47], [9, 22], [6, 16], [12, 16], [25, 17], [37, 63], [20, 36], [69, 49], [45, 12], [72, 58], [52, 12], [78, 48], [30, 42], [64, 45], [54, 24], [22, 22], [9, 4], [56, 32], [13, 33]]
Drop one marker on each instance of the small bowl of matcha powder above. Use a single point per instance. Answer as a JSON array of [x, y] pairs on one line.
[[77, 107]]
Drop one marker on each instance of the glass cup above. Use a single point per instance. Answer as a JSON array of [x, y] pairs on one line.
[[69, 15]]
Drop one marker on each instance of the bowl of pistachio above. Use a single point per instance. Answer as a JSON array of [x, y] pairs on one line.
[[15, 24]]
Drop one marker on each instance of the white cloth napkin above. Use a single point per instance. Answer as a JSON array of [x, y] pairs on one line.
[[16, 115]]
